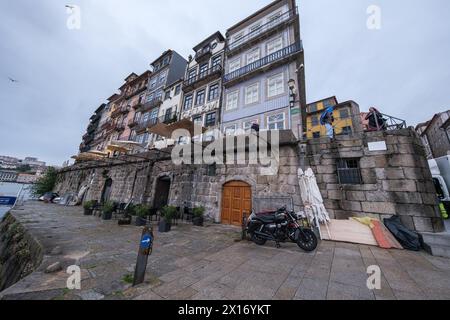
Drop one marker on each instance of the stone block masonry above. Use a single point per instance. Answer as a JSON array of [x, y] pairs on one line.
[[396, 181]]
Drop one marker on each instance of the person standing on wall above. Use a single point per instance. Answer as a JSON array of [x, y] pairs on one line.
[[376, 120], [327, 120]]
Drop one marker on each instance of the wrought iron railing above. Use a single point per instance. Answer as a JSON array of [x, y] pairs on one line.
[[202, 75], [287, 16], [271, 58]]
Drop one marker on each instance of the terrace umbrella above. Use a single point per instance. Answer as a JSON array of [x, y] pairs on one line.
[[312, 199]]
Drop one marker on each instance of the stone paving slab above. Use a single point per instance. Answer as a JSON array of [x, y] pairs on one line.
[[211, 263]]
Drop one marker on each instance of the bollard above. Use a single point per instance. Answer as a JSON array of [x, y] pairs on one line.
[[145, 249], [244, 225]]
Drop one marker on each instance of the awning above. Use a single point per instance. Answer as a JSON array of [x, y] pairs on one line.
[[167, 130], [117, 148], [89, 156]]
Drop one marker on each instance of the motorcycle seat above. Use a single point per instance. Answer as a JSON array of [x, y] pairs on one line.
[[266, 219]]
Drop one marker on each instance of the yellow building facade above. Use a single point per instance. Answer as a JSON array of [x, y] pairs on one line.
[[343, 123]]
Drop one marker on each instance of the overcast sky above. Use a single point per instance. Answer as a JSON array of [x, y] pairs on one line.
[[64, 75]]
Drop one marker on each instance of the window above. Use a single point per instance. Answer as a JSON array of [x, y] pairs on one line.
[[247, 125], [230, 130], [154, 113], [232, 100], [274, 19], [158, 95], [275, 85], [349, 171], [238, 37], [198, 121], [313, 108], [192, 74], [150, 97], [343, 113], [213, 92], [187, 102], [316, 135], [177, 89], [274, 45], [314, 121], [167, 95], [252, 94], [216, 61], [234, 65], [212, 168], [255, 29], [203, 70], [162, 77], [168, 115], [153, 83], [200, 99], [210, 119], [156, 68], [253, 56], [276, 122], [166, 60], [145, 117], [347, 130]]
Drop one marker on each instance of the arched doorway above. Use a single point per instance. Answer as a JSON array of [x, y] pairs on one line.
[[236, 199], [106, 194], [162, 190]]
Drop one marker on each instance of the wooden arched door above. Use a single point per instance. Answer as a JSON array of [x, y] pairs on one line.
[[236, 199]]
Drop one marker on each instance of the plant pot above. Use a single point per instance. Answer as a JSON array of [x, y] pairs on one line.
[[88, 212], [140, 222], [107, 215], [197, 221], [125, 221], [164, 226]]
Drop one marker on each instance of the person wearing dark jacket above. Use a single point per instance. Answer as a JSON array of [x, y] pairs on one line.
[[376, 120]]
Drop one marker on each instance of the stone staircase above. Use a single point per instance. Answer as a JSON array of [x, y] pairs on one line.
[[438, 244]]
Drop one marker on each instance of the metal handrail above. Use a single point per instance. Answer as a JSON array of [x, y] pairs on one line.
[[263, 28], [276, 56], [202, 75]]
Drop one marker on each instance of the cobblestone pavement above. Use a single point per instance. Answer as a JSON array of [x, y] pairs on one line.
[[211, 263]]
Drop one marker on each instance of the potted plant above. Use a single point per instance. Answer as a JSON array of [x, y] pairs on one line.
[[88, 208], [197, 220], [141, 211], [128, 214], [167, 214], [107, 210]]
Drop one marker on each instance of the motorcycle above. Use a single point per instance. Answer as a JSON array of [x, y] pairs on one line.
[[280, 226]]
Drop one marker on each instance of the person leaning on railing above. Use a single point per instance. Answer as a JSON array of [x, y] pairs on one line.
[[376, 120]]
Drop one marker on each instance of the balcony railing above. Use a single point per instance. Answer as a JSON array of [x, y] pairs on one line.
[[107, 125], [203, 54], [271, 58], [119, 111], [285, 17], [119, 127], [167, 119], [190, 83], [150, 105], [132, 123]]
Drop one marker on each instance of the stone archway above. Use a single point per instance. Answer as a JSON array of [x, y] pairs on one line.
[[162, 192], [236, 199], [106, 193]]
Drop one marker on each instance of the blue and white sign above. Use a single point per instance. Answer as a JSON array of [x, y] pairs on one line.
[[146, 242], [7, 201]]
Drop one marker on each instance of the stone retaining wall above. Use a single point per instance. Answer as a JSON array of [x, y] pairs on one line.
[[395, 182], [20, 253]]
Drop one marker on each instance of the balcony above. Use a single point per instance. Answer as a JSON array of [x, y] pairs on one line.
[[259, 65], [132, 123], [119, 111], [119, 127], [202, 78], [91, 128], [133, 93], [108, 125], [167, 119], [88, 138], [265, 30], [203, 54], [138, 105], [150, 105]]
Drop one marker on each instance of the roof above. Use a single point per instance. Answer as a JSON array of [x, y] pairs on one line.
[[321, 100], [114, 97], [217, 34], [100, 109], [130, 76], [272, 4], [161, 56], [136, 79]]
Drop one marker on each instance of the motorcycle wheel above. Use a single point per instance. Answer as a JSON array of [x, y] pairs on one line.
[[259, 241], [307, 240]]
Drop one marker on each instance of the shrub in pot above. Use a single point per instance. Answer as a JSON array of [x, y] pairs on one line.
[[141, 211], [88, 208], [107, 210], [197, 220], [167, 214]]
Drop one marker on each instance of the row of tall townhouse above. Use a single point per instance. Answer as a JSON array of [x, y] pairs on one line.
[[253, 75]]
